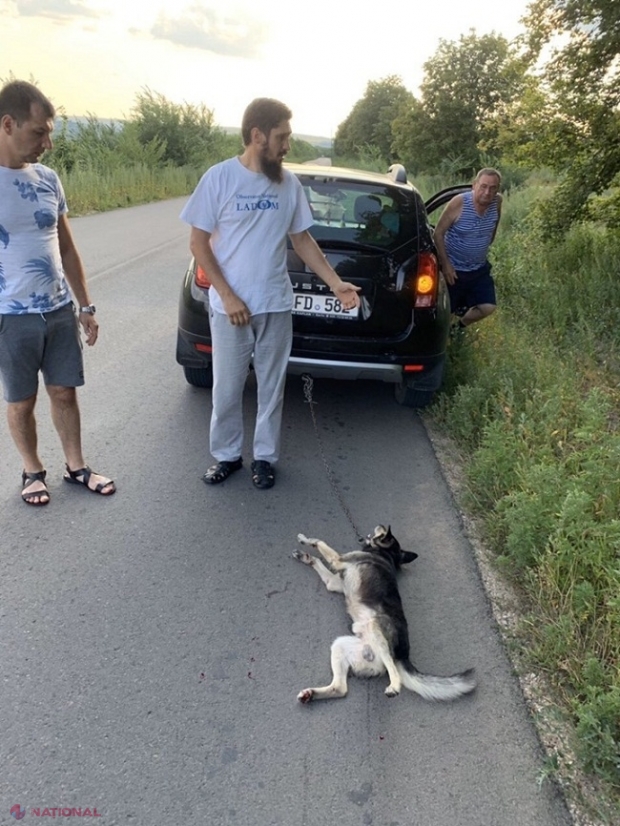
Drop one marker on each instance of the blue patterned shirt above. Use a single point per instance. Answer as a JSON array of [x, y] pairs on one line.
[[32, 279]]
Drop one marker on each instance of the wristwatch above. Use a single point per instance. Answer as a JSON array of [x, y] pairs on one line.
[[90, 309]]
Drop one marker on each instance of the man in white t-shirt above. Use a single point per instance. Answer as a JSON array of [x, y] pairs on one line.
[[39, 263], [241, 213]]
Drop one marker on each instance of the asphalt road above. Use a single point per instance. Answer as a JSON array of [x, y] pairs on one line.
[[153, 643]]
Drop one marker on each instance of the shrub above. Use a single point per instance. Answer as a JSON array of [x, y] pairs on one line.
[[532, 398]]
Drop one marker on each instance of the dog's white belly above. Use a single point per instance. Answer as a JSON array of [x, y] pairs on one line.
[[355, 609], [361, 614], [364, 629], [363, 618]]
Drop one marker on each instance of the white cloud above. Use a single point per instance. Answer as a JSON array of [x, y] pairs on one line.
[[224, 53], [201, 28], [56, 9]]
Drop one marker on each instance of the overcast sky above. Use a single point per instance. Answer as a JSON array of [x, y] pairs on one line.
[[94, 56]]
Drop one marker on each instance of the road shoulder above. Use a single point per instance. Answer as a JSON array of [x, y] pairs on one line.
[[581, 793]]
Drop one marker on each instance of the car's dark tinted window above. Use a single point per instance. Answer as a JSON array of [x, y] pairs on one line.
[[368, 214]]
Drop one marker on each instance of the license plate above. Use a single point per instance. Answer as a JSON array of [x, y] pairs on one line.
[[322, 305]]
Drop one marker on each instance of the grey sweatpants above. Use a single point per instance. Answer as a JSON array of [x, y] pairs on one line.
[[267, 339]]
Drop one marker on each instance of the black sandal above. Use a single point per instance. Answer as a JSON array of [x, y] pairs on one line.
[[263, 474], [221, 471], [29, 498], [73, 477]]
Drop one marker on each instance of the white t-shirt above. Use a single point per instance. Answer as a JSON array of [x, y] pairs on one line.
[[249, 217], [32, 279]]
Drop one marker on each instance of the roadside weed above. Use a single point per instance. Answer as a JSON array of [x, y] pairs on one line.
[[532, 398]]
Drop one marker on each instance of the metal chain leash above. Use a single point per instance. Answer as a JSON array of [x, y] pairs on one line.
[[308, 383]]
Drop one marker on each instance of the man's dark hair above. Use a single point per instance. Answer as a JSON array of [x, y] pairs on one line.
[[265, 114], [17, 97]]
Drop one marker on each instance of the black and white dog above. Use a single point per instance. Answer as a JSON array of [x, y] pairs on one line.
[[367, 578]]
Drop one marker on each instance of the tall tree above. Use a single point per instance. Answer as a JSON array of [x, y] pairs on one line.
[[465, 84], [369, 124], [581, 118], [584, 36]]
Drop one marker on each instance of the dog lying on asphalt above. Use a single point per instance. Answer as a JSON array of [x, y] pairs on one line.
[[367, 578]]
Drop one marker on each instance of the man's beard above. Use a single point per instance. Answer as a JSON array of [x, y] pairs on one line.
[[272, 169]]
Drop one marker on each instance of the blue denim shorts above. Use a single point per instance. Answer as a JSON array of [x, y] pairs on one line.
[[40, 342], [471, 289]]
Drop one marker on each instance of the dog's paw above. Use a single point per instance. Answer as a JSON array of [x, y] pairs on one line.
[[300, 556], [303, 540], [305, 696], [390, 691]]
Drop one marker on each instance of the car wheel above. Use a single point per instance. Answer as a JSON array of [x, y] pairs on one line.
[[199, 376], [407, 394]]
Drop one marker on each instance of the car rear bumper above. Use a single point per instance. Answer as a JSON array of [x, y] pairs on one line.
[[333, 369], [192, 350], [195, 351], [426, 376]]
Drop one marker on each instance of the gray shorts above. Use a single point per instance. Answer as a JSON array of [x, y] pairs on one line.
[[47, 342]]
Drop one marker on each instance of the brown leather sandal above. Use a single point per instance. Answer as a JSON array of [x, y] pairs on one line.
[[34, 497], [82, 475]]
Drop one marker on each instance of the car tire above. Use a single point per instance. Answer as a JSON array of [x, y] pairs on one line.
[[407, 394], [199, 376]]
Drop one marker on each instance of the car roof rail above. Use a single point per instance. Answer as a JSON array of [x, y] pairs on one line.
[[398, 173]]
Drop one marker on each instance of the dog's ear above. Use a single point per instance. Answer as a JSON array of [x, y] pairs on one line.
[[408, 556]]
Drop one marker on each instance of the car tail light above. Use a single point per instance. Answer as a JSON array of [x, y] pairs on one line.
[[426, 280], [200, 278]]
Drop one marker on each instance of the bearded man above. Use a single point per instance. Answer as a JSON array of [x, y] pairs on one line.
[[241, 213]]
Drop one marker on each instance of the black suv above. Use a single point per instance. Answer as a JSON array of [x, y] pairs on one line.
[[375, 232]]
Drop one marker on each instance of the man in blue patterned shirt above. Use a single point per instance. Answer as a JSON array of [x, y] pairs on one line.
[[463, 236], [39, 266]]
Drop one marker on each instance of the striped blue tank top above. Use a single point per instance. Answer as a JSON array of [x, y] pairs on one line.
[[468, 239]]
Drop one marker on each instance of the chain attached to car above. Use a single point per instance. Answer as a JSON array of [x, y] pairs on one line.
[[308, 383]]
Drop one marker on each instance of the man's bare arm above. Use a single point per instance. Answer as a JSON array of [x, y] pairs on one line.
[[448, 217], [74, 272], [309, 251]]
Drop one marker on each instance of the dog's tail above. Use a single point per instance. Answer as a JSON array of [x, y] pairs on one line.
[[436, 688]]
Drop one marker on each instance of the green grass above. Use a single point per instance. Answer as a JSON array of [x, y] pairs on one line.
[[532, 397], [89, 190]]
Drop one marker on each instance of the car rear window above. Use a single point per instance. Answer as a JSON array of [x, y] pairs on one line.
[[368, 214]]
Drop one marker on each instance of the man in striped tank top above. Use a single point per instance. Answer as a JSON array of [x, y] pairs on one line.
[[463, 236]]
